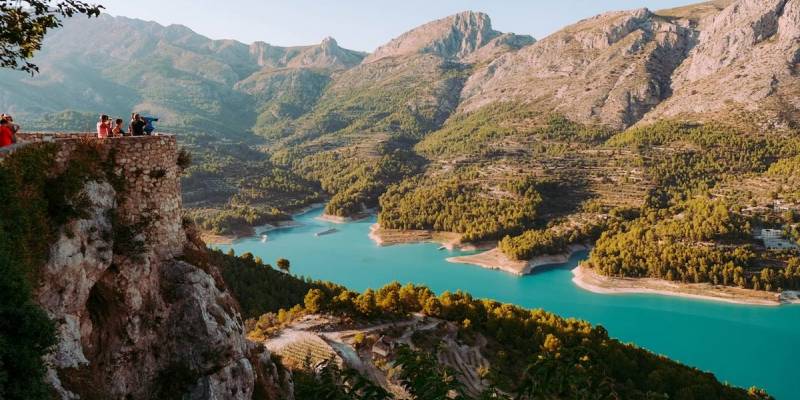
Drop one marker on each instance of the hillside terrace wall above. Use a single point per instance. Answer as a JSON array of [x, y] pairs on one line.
[[148, 166]]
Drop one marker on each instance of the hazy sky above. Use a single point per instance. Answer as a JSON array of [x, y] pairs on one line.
[[359, 24]]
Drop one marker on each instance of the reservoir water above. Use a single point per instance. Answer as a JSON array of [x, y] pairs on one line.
[[743, 345]]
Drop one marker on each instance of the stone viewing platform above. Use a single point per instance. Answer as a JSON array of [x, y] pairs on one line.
[[147, 166]]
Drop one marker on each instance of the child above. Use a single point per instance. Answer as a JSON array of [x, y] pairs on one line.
[[118, 129]]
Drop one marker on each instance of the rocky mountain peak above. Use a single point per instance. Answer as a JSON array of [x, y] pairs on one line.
[[329, 43], [455, 36], [608, 69], [326, 55]]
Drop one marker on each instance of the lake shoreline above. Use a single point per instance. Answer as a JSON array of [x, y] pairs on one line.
[[391, 237], [591, 281], [448, 240], [495, 259], [211, 238], [346, 220]]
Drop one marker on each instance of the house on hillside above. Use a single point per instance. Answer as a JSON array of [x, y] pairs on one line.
[[382, 348], [774, 239]]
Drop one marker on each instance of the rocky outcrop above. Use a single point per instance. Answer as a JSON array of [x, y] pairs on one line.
[[454, 37], [504, 43], [610, 69], [326, 55], [135, 321], [746, 59]]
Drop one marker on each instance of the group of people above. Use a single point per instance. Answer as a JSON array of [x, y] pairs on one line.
[[8, 130], [138, 126]]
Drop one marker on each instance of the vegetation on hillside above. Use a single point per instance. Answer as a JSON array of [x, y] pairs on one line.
[[330, 382], [685, 159], [258, 287], [461, 203], [231, 187], [537, 354], [692, 242], [356, 180], [476, 132], [553, 240]]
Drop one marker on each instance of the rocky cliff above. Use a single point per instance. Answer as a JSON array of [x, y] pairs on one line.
[[746, 59], [610, 69], [136, 319], [705, 61], [326, 55], [453, 37]]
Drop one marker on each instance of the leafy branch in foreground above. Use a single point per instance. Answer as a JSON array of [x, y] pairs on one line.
[[23, 25]]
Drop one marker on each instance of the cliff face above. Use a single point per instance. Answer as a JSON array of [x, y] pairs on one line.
[[746, 59], [706, 61], [135, 320], [610, 69], [453, 37]]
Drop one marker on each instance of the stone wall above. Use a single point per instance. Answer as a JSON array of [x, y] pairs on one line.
[[139, 325], [33, 137], [151, 176]]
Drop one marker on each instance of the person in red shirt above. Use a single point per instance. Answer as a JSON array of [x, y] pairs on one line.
[[104, 127], [6, 134]]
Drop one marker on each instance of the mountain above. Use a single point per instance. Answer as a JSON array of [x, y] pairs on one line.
[[326, 55], [662, 138], [357, 137], [746, 58], [454, 37], [117, 65], [610, 69]]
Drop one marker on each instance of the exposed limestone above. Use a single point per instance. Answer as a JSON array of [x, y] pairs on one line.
[[142, 326], [327, 55], [746, 59], [456, 36], [610, 69]]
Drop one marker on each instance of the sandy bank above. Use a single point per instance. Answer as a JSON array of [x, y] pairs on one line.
[[495, 259], [589, 280], [390, 237]]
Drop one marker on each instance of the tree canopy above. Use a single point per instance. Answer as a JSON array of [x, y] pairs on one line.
[[23, 25]]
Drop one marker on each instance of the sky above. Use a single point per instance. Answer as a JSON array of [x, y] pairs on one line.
[[359, 24]]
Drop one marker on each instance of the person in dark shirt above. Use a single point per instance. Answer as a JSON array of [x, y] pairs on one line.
[[137, 125]]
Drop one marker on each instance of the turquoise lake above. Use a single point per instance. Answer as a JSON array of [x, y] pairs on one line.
[[743, 345]]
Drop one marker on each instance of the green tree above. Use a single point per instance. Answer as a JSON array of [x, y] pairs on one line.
[[23, 25], [315, 301]]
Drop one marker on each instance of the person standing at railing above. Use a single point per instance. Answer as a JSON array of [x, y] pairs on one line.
[[6, 134], [104, 127], [118, 130], [137, 125], [149, 127], [14, 127]]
